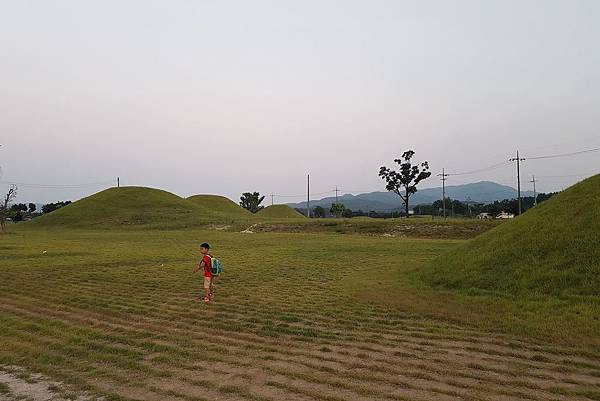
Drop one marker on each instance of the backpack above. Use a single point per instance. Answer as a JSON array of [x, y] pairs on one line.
[[215, 266]]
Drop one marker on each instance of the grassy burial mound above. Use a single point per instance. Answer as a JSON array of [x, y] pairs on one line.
[[123, 206], [221, 205], [553, 249], [279, 212]]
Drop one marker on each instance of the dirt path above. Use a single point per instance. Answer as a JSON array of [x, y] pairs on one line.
[[18, 384]]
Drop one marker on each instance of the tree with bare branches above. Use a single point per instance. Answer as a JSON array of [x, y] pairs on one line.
[[10, 195]]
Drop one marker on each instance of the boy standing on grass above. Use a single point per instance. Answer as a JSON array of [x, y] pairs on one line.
[[205, 265]]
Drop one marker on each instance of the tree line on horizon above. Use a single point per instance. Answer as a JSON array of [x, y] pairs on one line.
[[454, 208], [21, 211]]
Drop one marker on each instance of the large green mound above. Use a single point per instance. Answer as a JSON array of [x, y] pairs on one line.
[[279, 212], [220, 204], [552, 249], [136, 206]]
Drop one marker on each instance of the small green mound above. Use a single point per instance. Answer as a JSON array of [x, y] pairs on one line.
[[220, 204], [136, 206], [552, 249], [279, 212]]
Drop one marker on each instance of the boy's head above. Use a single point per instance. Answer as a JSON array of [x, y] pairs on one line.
[[204, 247]]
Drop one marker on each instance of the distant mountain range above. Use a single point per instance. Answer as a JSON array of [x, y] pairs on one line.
[[483, 192]]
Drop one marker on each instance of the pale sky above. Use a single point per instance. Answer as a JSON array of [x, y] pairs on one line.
[[230, 96]]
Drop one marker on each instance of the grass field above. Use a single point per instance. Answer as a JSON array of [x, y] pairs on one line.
[[298, 316]]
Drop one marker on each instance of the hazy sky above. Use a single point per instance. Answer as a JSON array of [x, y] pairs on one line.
[[228, 96]]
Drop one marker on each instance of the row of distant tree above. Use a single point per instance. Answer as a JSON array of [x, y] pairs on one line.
[[21, 211], [472, 209], [454, 208], [336, 210]]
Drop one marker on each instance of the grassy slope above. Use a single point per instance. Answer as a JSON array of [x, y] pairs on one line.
[[115, 312], [553, 249], [279, 212], [221, 204], [137, 206]]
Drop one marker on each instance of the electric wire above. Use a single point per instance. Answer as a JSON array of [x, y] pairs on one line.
[[58, 186], [482, 170], [563, 154]]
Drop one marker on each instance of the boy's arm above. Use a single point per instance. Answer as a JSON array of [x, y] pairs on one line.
[[199, 267]]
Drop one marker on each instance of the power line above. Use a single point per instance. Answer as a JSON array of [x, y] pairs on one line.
[[290, 196], [25, 184], [322, 193], [362, 191], [564, 176], [502, 164], [481, 170], [302, 195], [564, 154]]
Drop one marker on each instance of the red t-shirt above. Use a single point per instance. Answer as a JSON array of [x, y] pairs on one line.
[[206, 260]]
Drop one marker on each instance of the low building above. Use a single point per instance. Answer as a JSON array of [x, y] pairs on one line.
[[505, 215], [484, 216]]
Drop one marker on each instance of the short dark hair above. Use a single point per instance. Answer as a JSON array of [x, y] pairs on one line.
[[204, 245]]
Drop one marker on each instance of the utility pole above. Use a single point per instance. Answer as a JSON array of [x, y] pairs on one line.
[[118, 182], [444, 175], [308, 196], [272, 196], [518, 160], [336, 194], [534, 192], [469, 204]]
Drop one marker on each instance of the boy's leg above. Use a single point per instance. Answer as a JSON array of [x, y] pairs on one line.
[[213, 282], [207, 289]]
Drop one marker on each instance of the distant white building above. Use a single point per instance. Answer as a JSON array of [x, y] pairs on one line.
[[484, 216], [505, 215]]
